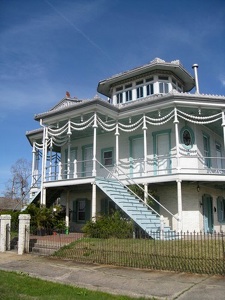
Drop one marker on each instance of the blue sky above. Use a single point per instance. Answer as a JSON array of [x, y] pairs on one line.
[[48, 47]]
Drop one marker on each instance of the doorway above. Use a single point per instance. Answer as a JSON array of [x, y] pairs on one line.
[[207, 213]]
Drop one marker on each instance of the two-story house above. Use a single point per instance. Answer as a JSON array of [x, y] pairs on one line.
[[152, 131]]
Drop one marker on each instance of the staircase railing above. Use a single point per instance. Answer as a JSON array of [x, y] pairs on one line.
[[139, 186], [24, 196], [145, 193]]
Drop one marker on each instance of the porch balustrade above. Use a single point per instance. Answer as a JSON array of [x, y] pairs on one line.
[[135, 168]]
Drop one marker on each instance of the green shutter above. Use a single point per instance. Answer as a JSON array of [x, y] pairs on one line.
[[87, 210], [74, 216], [219, 209], [104, 206]]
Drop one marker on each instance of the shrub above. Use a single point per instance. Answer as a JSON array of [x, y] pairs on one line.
[[109, 226]]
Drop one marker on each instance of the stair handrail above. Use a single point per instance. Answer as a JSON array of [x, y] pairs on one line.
[[130, 179], [116, 167], [24, 196]]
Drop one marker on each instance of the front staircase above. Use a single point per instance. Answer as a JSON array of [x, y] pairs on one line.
[[136, 209]]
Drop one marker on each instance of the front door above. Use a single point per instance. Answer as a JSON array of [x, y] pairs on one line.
[[207, 213]]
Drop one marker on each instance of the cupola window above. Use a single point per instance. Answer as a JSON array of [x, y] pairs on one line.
[[163, 84], [149, 86], [140, 89]]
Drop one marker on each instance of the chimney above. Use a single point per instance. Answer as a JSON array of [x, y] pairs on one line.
[[195, 67]]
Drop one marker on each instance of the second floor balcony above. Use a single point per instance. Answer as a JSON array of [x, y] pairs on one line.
[[155, 169]]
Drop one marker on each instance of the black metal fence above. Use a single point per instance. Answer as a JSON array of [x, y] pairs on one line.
[[184, 252]]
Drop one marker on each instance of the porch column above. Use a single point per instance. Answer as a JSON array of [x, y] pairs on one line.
[[33, 164], [43, 173], [93, 203], [50, 163], [176, 122], [223, 125], [145, 192], [67, 212], [117, 144], [95, 126], [68, 157], [179, 205], [144, 128]]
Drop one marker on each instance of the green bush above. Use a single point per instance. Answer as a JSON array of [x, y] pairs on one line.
[[44, 218], [109, 226]]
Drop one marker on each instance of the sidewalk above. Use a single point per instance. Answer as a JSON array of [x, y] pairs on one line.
[[114, 280]]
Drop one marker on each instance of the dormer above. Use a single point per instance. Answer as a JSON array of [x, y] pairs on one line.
[[157, 77]]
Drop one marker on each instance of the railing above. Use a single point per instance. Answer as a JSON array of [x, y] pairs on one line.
[[202, 253], [156, 166], [132, 182]]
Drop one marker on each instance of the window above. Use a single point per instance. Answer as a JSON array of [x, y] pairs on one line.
[[221, 209], [206, 147], [163, 84], [187, 137], [140, 89], [149, 89], [119, 88], [128, 95], [107, 157], [119, 98], [140, 92], [81, 210], [219, 156], [163, 87]]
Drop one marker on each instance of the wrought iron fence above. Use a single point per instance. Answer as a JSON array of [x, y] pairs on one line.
[[184, 252]]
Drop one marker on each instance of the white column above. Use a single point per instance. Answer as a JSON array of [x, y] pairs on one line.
[[5, 225], [33, 164], [144, 128], [67, 212], [68, 158], [50, 163], [95, 126], [145, 192], [179, 205], [176, 122], [42, 164], [117, 144], [24, 234], [93, 203], [223, 125]]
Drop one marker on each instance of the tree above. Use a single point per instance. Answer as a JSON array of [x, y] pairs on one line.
[[17, 186]]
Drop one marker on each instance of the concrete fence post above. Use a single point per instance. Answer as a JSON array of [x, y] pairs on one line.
[[5, 225], [24, 234]]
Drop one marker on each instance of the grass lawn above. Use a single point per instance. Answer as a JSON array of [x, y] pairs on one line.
[[14, 286]]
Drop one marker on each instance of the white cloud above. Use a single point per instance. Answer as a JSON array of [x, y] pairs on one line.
[[222, 80]]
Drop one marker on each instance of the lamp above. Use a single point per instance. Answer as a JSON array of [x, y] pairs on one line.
[[198, 188]]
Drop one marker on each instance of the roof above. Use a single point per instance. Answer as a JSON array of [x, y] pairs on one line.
[[157, 64], [9, 204]]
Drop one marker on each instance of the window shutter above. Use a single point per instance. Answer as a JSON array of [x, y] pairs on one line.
[[104, 206], [87, 210], [219, 209], [74, 216]]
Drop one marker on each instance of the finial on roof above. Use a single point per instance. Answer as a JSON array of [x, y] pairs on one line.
[[157, 60], [67, 94]]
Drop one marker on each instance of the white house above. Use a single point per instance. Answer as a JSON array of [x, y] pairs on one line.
[[152, 130]]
